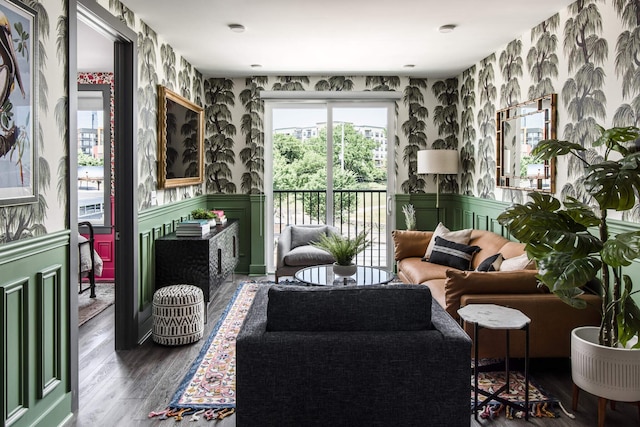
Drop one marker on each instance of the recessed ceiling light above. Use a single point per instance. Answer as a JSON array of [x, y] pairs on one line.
[[256, 66], [408, 65], [447, 28], [236, 28]]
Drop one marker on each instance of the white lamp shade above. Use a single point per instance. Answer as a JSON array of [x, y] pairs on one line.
[[438, 161]]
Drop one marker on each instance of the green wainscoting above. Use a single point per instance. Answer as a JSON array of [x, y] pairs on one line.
[[456, 212], [35, 322]]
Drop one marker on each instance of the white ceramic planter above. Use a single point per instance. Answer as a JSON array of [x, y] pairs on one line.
[[612, 373], [345, 270]]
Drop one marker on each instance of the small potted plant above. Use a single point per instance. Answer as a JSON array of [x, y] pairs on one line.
[[569, 256], [201, 213], [409, 216], [343, 250]]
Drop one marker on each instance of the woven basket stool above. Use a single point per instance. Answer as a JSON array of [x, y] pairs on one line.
[[178, 315]]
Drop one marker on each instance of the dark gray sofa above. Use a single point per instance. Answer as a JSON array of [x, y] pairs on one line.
[[351, 356]]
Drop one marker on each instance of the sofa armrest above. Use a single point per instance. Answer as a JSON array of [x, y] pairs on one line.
[[283, 247], [410, 243]]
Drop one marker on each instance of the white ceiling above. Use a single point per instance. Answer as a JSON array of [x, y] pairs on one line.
[[343, 37]]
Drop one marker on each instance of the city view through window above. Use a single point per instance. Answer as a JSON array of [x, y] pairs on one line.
[[332, 169]]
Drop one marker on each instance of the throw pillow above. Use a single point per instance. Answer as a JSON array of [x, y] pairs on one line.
[[452, 254], [301, 235], [516, 263], [461, 236], [491, 264]]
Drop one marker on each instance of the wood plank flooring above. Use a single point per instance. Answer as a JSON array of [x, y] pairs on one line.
[[121, 388]]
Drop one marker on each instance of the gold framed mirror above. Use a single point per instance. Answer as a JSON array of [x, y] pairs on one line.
[[180, 140], [518, 130]]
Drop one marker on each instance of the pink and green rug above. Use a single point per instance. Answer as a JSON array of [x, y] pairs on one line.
[[541, 404], [209, 387]]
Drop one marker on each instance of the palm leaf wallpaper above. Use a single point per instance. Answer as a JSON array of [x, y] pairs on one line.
[[586, 53]]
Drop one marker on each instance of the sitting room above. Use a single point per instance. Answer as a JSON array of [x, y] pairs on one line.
[[362, 213]]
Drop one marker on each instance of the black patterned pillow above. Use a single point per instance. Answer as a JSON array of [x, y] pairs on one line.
[[452, 254], [491, 264]]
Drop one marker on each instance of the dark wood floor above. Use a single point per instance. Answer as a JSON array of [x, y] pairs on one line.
[[121, 388]]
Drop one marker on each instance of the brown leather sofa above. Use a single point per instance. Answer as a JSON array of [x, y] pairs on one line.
[[551, 319]]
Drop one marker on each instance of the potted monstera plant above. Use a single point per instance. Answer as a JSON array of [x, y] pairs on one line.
[[573, 246], [344, 250]]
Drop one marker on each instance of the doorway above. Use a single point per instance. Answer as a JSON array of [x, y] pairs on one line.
[[331, 165], [122, 46]]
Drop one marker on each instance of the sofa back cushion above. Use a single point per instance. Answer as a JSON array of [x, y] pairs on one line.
[[305, 234], [349, 308], [410, 243], [490, 244]]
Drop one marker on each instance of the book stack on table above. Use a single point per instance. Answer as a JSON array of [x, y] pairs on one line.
[[221, 219], [193, 228]]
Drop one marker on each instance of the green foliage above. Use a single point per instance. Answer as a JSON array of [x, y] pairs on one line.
[[343, 248], [201, 213], [87, 160], [557, 235], [302, 165]]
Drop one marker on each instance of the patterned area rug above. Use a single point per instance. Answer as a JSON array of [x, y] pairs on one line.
[[208, 389], [541, 403], [88, 308]]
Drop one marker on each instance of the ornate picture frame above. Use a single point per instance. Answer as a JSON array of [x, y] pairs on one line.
[[18, 103]]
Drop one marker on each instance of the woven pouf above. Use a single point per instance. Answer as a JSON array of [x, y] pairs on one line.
[[178, 315]]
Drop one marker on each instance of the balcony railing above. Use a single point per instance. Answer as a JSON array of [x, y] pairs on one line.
[[352, 212]]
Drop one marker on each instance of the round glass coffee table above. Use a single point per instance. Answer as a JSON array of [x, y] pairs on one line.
[[323, 275]]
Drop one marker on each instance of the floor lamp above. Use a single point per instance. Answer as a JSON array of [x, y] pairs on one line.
[[438, 162]]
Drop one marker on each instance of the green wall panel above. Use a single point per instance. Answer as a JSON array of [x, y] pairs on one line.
[[35, 289], [15, 349], [51, 353]]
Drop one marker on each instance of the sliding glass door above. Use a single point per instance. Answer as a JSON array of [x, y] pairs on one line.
[[330, 164]]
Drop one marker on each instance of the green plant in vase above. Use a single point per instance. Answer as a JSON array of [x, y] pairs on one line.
[[344, 249], [557, 235], [201, 213]]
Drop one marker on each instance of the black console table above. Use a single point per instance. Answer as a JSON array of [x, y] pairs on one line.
[[205, 261]]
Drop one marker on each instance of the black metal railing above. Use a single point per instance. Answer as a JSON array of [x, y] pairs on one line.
[[352, 212]]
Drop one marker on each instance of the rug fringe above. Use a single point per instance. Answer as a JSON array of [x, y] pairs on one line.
[[536, 410], [178, 414]]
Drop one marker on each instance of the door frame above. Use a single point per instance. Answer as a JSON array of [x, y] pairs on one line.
[[329, 100], [126, 169]]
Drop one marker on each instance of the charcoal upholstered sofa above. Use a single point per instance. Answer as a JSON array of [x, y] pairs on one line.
[[551, 319], [351, 356], [295, 251]]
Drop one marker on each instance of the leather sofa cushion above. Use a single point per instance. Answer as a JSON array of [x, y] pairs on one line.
[[459, 283], [349, 308], [307, 255], [410, 243], [417, 271]]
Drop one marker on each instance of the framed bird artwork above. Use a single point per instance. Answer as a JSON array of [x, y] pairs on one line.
[[18, 103]]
